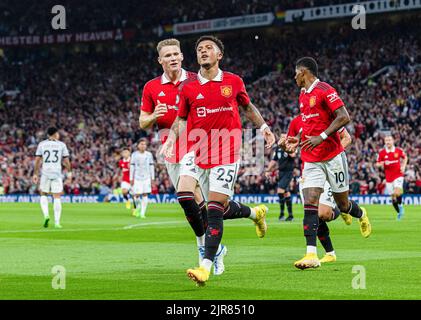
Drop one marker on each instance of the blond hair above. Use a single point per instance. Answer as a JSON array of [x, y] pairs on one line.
[[167, 42]]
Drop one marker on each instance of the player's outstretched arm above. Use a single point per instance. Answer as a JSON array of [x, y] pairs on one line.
[[253, 114]]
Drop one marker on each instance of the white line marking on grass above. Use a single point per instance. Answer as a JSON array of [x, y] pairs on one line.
[[128, 227]]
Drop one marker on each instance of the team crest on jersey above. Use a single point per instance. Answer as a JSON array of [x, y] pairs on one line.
[[396, 155], [312, 101], [226, 91]]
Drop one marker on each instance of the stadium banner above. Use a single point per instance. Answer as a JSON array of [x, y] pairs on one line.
[[247, 21], [410, 199], [63, 38], [345, 9]]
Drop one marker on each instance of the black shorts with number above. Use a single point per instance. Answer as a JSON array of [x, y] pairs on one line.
[[285, 178]]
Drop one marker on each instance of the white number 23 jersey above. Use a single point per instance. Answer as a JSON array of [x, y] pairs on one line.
[[52, 153]]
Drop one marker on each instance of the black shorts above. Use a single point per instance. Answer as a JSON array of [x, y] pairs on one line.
[[285, 178]]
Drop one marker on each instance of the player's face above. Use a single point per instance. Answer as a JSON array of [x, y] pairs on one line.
[[299, 77], [388, 141], [125, 154], [208, 54], [170, 58], [142, 146]]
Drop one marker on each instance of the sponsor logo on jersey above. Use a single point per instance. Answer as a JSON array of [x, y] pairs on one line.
[[311, 115], [333, 97], [301, 105], [177, 99], [161, 94], [226, 91], [200, 96], [203, 111], [226, 186]]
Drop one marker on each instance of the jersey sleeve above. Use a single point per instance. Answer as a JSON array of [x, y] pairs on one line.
[[183, 105], [243, 98], [65, 151], [403, 154], [332, 99], [147, 104], [380, 157], [38, 153]]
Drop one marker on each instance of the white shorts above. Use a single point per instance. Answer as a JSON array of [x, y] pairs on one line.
[[326, 197], [391, 186], [173, 170], [219, 179], [125, 185], [334, 171], [51, 185], [142, 186]]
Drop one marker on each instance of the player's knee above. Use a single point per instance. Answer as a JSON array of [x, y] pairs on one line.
[[325, 214], [311, 197]]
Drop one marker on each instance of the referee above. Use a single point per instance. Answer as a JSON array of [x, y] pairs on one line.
[[285, 164]]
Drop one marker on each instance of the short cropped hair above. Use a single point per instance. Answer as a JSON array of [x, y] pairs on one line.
[[143, 140], [167, 42], [309, 63], [214, 39], [51, 131]]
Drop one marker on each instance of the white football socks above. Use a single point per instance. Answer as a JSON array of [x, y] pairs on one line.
[[252, 214], [201, 240], [57, 210], [144, 205], [312, 249], [44, 206]]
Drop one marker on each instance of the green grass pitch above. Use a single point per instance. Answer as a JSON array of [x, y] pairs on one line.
[[108, 254]]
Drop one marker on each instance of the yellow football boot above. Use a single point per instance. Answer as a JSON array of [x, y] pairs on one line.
[[310, 260], [199, 275], [365, 226], [347, 218], [260, 221], [328, 258]]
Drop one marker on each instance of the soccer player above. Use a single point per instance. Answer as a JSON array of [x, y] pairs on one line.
[[124, 165], [285, 163], [323, 114], [159, 106], [328, 210], [51, 153], [142, 172], [393, 160], [211, 104]]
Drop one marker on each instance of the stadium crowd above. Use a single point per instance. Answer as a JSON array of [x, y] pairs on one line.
[[26, 17], [93, 98]]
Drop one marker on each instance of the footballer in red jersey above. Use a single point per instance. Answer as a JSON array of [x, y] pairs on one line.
[[211, 104], [159, 106], [323, 113], [393, 160], [327, 210], [124, 165]]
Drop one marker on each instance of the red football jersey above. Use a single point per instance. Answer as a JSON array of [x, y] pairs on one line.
[[125, 169], [317, 106], [162, 89], [212, 108], [392, 163]]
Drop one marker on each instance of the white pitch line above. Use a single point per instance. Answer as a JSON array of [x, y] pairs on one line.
[[128, 227]]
